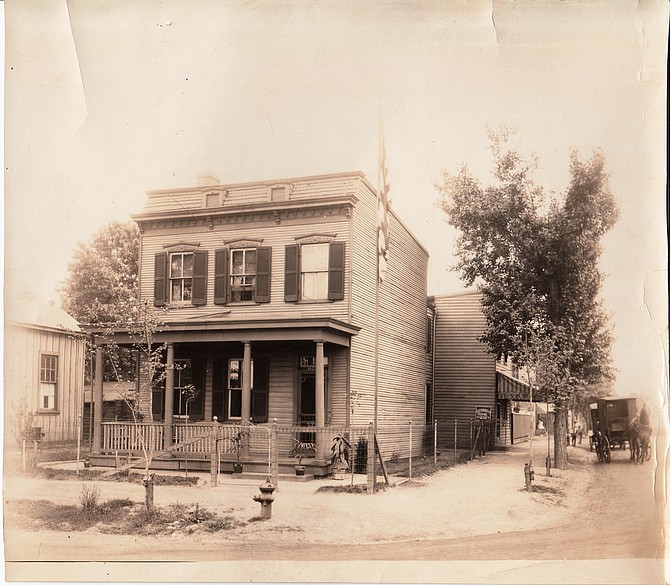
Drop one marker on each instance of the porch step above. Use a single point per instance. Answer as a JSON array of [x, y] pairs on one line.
[[251, 469]]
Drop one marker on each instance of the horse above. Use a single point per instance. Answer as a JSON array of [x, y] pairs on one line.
[[633, 437], [644, 443], [639, 439]]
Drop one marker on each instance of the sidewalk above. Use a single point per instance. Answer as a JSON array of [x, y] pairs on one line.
[[484, 496]]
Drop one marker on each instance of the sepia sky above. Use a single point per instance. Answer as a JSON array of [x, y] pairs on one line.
[[105, 100]]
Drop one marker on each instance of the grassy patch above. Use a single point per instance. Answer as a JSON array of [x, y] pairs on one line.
[[349, 489], [95, 474], [117, 516]]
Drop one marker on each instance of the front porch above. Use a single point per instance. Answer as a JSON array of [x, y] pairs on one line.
[[270, 450]]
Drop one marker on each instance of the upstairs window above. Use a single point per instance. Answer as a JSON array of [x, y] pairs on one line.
[[181, 276], [48, 398], [242, 274], [314, 272]]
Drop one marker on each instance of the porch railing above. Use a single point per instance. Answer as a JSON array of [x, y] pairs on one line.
[[202, 438]]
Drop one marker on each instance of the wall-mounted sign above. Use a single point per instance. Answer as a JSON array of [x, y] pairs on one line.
[[308, 362], [482, 413]]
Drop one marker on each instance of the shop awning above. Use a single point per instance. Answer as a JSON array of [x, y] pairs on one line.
[[511, 389]]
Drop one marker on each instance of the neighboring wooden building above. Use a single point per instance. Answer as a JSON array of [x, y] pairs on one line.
[[467, 378], [269, 292], [43, 374]]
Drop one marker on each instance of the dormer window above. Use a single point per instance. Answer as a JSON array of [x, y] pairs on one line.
[[214, 198], [279, 193]]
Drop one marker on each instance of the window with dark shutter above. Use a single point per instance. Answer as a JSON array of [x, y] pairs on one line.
[[199, 288], [160, 279], [336, 271], [263, 271], [291, 273], [221, 276]]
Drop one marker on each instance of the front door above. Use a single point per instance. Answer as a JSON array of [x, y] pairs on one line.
[[307, 404]]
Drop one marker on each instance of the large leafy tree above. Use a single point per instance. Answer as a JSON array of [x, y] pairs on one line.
[[101, 287], [535, 257]]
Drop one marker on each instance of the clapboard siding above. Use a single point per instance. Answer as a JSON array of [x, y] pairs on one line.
[[271, 235], [402, 322], [464, 370], [248, 194], [23, 346], [282, 390]]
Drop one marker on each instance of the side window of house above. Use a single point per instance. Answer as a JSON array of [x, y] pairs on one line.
[[314, 272], [48, 398], [242, 274], [180, 278]]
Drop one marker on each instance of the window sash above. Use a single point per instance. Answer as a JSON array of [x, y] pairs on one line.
[[234, 385], [314, 271], [181, 276], [48, 369]]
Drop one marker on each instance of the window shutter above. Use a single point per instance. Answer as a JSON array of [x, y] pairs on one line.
[[259, 393], [160, 279], [199, 291], [263, 270], [336, 271], [291, 273], [221, 276]]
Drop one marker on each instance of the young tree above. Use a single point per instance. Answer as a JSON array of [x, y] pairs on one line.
[[535, 259]]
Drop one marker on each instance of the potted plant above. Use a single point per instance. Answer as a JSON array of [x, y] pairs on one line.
[[339, 456], [299, 451]]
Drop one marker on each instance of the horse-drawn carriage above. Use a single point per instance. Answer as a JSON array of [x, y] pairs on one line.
[[615, 423]]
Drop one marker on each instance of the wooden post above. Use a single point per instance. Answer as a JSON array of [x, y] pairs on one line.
[[320, 402], [97, 401], [410, 450], [455, 441], [169, 397], [371, 460], [274, 450], [435, 444]]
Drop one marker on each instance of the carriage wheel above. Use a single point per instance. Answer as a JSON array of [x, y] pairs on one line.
[[606, 451]]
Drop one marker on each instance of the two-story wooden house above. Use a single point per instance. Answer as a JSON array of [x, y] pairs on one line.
[[469, 381], [270, 305]]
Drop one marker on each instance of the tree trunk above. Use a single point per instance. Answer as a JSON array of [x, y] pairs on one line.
[[149, 492], [560, 433]]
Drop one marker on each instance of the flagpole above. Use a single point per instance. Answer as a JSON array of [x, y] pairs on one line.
[[382, 251], [376, 386]]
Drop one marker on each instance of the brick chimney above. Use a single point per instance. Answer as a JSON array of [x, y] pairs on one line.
[[208, 179]]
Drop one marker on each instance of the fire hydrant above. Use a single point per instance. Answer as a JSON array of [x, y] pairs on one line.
[[266, 499], [529, 475]]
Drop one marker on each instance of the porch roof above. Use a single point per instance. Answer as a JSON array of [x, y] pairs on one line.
[[324, 329]]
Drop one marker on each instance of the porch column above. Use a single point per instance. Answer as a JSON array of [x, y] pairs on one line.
[[320, 387], [169, 397], [246, 384], [97, 401]]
